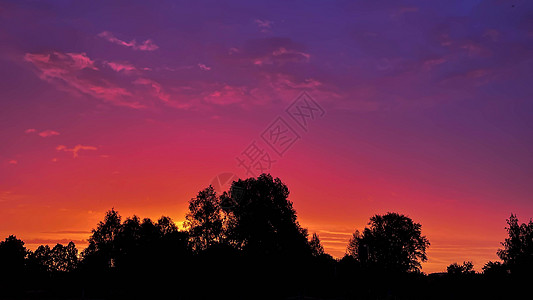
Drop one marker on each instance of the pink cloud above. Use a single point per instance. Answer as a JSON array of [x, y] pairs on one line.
[[233, 50], [48, 133], [75, 149], [430, 63], [75, 72], [284, 52], [204, 67], [228, 95], [31, 130], [147, 45], [475, 49], [282, 55], [81, 60], [156, 87], [264, 25], [13, 162], [121, 67]]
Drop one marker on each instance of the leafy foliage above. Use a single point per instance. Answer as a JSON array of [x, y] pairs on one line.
[[204, 220], [316, 247], [517, 253], [456, 269], [392, 242], [264, 221]]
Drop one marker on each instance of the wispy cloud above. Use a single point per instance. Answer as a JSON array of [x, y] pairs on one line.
[[48, 133], [45, 133], [147, 45], [8, 196], [156, 87], [264, 25], [75, 149], [228, 95], [282, 55], [13, 162], [271, 51], [204, 67], [53, 241], [121, 67], [77, 73], [69, 232]]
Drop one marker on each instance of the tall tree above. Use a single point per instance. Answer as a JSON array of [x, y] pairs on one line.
[[42, 258], [263, 221], [204, 220], [102, 248], [12, 256], [316, 247], [64, 258], [392, 242], [60, 258], [517, 253]]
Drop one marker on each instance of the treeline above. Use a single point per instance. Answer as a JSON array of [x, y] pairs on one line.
[[248, 243]]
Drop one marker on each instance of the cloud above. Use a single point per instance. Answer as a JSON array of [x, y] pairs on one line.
[[48, 133], [69, 232], [282, 56], [264, 25], [283, 51], [156, 87], [147, 45], [8, 196], [204, 67], [75, 149], [270, 51], [13, 162], [233, 50], [77, 73], [39, 241], [45, 133], [431, 63], [228, 95], [121, 67]]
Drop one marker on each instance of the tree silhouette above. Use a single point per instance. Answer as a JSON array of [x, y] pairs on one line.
[[65, 257], [204, 220], [316, 246], [60, 258], [494, 268], [12, 256], [253, 243], [355, 249], [517, 254], [264, 222], [456, 269], [392, 242], [42, 258], [101, 250]]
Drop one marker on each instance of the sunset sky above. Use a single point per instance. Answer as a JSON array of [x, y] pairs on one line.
[[422, 107]]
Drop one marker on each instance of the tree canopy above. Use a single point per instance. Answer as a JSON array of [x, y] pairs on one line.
[[517, 253], [392, 242]]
